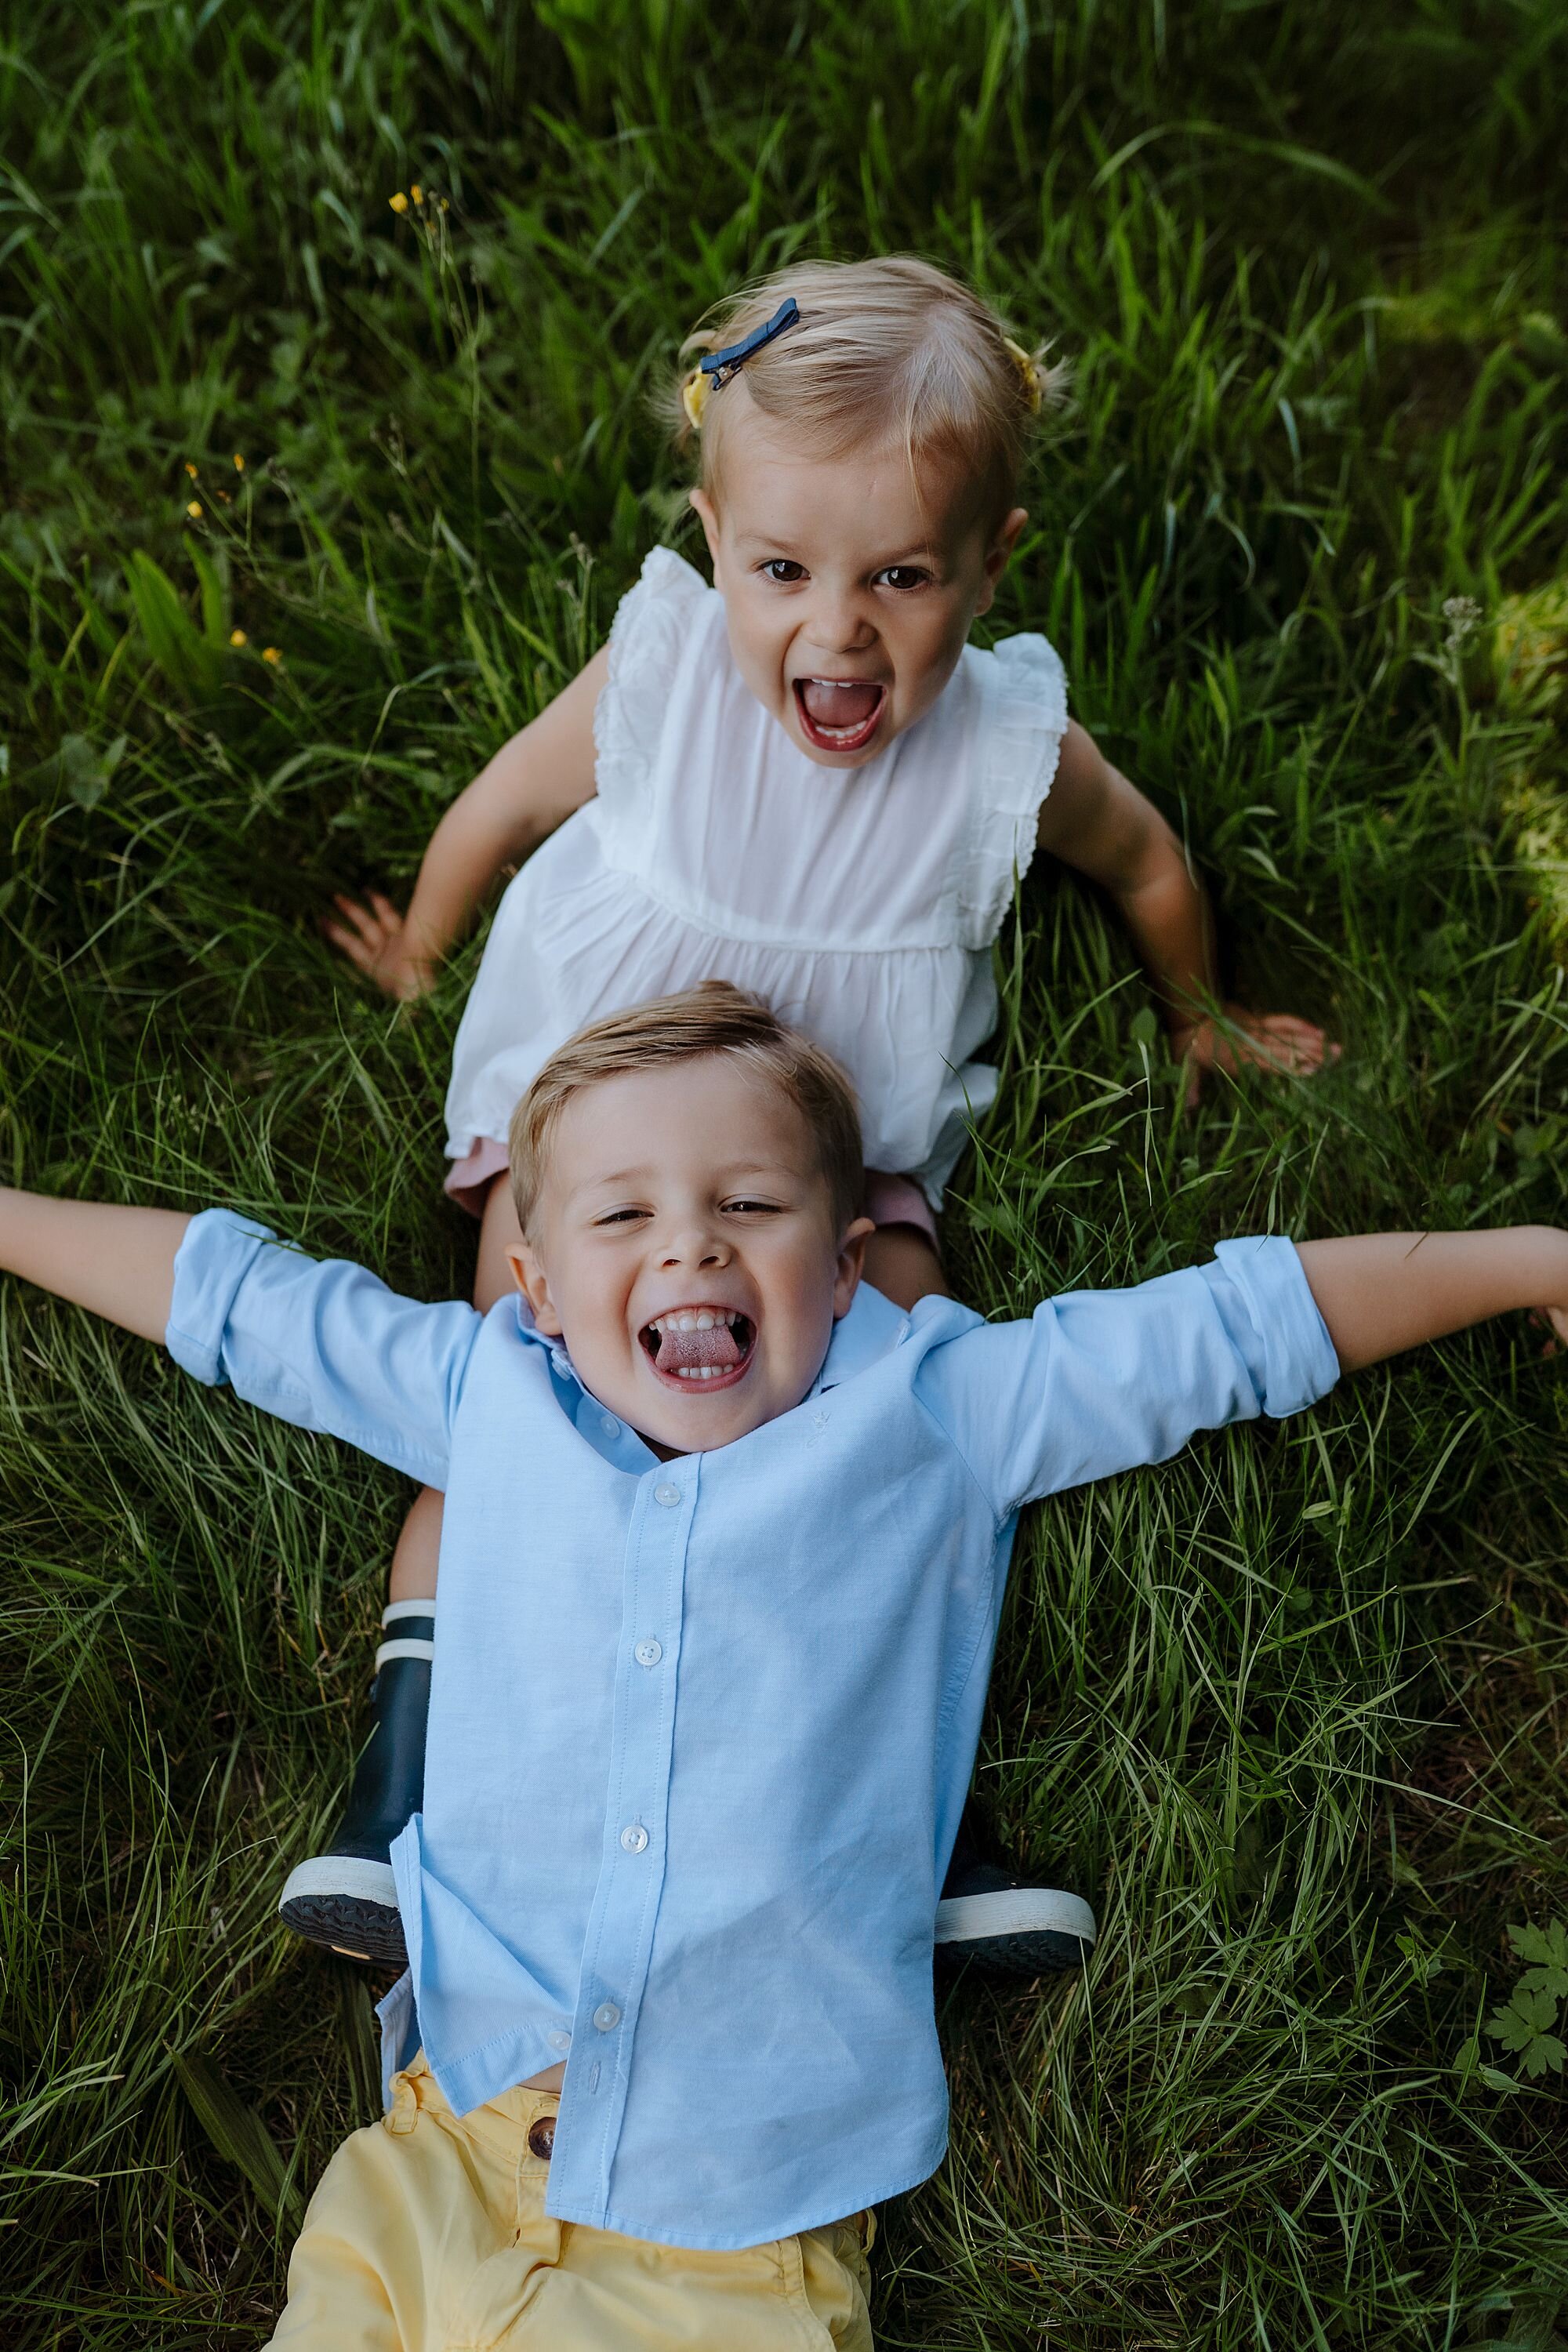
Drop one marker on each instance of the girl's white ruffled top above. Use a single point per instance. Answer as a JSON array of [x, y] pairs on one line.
[[861, 904]]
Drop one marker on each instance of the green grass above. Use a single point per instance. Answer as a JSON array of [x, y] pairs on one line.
[[1291, 1710]]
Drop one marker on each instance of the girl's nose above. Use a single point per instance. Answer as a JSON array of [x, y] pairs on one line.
[[840, 625]]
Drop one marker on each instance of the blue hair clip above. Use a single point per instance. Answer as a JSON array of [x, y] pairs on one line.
[[720, 366]]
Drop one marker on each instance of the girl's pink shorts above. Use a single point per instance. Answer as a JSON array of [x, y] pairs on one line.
[[890, 1200]]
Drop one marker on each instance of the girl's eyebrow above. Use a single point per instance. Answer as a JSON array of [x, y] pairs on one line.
[[923, 553]]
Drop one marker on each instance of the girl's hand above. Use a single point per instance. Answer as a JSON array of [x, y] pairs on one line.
[[376, 940], [1273, 1041], [1553, 1321]]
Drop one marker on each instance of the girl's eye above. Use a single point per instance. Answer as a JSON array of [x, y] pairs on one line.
[[785, 571], [905, 576], [621, 1217], [753, 1208]]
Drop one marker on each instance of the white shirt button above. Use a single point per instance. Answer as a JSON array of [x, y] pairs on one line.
[[606, 2017], [634, 1837], [610, 1425], [667, 1495], [649, 1654], [559, 2040]]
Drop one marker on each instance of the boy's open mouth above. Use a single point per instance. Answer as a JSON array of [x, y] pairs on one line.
[[839, 714], [702, 1347]]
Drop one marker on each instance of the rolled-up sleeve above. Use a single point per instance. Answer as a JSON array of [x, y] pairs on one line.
[[320, 1343], [1102, 1380]]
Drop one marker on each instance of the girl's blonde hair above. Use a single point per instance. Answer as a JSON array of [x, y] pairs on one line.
[[713, 1018], [890, 348]]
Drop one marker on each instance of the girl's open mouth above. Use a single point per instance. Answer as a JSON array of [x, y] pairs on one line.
[[700, 1348], [839, 714]]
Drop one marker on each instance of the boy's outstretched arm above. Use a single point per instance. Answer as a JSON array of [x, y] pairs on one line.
[[118, 1262], [320, 1343], [1093, 819], [1097, 1382], [1380, 1293]]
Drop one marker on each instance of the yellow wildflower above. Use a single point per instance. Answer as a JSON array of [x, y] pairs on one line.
[[270, 654], [417, 192], [399, 203], [238, 637], [195, 510], [238, 463], [190, 469]]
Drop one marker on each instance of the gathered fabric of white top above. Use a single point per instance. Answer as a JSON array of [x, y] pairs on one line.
[[862, 905]]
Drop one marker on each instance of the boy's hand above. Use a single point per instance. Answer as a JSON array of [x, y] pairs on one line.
[[1275, 1041], [376, 939]]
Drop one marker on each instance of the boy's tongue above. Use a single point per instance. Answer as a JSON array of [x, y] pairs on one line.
[[678, 1348], [847, 702]]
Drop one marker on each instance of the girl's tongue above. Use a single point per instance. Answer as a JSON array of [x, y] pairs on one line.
[[839, 702]]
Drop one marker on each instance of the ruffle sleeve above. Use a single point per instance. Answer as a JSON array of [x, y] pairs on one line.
[[1024, 719], [652, 631]]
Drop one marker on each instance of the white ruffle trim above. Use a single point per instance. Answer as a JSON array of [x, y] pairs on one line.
[[1024, 719], [651, 627]]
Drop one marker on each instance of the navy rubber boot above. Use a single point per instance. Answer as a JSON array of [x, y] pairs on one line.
[[347, 1898]]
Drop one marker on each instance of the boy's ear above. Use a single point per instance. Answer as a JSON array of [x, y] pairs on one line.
[[851, 1265], [999, 553], [528, 1273], [707, 514]]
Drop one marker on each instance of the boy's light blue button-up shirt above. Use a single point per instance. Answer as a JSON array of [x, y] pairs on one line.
[[701, 1730]]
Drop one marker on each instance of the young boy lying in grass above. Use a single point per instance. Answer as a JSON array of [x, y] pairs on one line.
[[724, 1547]]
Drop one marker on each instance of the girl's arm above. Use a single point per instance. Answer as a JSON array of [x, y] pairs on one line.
[[1380, 1293], [1095, 820], [118, 1262], [534, 783]]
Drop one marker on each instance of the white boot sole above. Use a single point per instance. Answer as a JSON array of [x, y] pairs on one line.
[[1015, 1911], [344, 1875]]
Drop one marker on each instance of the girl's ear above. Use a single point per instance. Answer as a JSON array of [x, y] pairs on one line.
[[708, 513], [528, 1273], [998, 554]]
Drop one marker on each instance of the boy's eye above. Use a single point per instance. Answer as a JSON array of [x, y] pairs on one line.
[[621, 1217], [745, 1207], [784, 569], [905, 576]]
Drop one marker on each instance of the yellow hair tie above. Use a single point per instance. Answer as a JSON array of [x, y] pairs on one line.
[[694, 391], [1030, 373]]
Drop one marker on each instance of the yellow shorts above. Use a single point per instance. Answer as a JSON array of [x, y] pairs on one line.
[[428, 2233]]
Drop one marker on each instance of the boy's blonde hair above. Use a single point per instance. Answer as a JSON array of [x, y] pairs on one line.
[[890, 348], [714, 1018]]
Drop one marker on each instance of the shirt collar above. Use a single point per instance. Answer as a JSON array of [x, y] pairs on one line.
[[528, 1332], [872, 1328]]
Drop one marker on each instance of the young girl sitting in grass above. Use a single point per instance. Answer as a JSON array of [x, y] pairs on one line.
[[805, 781]]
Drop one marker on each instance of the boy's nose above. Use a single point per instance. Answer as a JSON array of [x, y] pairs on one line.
[[696, 1246]]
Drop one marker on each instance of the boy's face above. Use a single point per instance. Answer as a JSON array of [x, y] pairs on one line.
[[683, 1246], [848, 583]]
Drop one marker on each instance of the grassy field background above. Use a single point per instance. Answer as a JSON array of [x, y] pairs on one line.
[[1292, 1711]]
